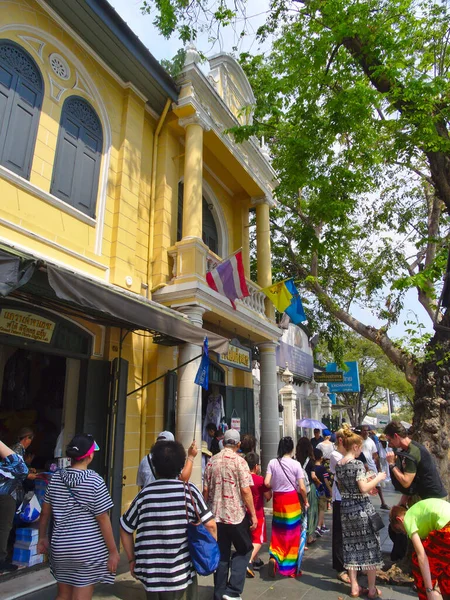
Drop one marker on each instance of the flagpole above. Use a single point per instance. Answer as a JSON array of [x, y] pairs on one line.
[[196, 410]]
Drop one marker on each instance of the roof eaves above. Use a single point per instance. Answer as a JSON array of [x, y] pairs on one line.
[[121, 30]]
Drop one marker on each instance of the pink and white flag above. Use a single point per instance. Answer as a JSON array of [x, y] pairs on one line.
[[228, 278]]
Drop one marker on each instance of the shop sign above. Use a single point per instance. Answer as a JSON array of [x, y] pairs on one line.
[[237, 357], [351, 378], [26, 325], [325, 377], [236, 423]]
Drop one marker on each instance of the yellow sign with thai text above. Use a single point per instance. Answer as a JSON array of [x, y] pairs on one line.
[[240, 358], [26, 325]]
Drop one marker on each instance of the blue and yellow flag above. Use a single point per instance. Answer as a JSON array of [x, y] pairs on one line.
[[295, 309], [286, 298], [279, 295]]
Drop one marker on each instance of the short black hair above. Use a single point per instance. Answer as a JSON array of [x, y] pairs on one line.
[[168, 458], [211, 427], [285, 446], [318, 430], [252, 460], [318, 454]]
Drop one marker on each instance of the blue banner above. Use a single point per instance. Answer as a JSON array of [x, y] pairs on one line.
[[203, 371]]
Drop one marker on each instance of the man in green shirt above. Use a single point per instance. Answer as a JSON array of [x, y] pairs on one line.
[[427, 524]]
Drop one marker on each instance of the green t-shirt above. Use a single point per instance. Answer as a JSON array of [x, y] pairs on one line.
[[405, 464], [426, 516]]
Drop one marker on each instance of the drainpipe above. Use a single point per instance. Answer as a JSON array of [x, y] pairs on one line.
[[151, 230]]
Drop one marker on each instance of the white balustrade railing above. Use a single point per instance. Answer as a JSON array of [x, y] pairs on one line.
[[255, 301]]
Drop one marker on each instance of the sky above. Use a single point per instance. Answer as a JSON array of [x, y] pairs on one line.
[[161, 48]]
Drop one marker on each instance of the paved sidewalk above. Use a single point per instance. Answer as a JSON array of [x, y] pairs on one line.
[[317, 583]]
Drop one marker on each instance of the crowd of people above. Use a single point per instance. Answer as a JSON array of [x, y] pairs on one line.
[[341, 469]]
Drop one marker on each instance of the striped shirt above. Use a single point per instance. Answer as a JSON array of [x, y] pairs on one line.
[[158, 515], [78, 551]]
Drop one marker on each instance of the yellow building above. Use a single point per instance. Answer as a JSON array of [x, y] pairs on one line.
[[120, 188]]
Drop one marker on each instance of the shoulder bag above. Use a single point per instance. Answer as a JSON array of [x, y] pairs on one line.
[[375, 521], [203, 548], [302, 502]]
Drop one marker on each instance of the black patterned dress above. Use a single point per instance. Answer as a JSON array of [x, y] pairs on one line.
[[360, 544]]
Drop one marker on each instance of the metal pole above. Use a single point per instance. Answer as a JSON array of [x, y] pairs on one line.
[[163, 375], [388, 399]]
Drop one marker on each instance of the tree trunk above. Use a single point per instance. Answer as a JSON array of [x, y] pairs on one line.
[[432, 399]]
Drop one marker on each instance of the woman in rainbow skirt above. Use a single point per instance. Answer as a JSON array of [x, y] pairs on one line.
[[285, 477]]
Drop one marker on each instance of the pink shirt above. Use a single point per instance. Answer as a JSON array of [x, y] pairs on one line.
[[280, 482]]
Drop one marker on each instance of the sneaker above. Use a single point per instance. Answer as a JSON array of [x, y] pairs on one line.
[[324, 529], [318, 532], [258, 563], [385, 507], [227, 597], [6, 567], [250, 571]]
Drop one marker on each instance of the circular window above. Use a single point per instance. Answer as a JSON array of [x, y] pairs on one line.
[[59, 66]]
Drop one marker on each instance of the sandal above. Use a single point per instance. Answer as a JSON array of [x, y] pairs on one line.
[[361, 592], [272, 567], [344, 577], [376, 595]]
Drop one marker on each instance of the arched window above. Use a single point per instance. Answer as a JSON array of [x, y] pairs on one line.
[[209, 227], [78, 155], [21, 93]]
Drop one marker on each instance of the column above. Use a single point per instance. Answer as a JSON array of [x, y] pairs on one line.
[[189, 400], [270, 429], [193, 176], [263, 256], [316, 406], [246, 242]]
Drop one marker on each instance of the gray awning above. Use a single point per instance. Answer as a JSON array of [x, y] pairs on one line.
[[117, 307]]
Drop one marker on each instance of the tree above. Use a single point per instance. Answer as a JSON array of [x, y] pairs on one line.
[[353, 98], [377, 374]]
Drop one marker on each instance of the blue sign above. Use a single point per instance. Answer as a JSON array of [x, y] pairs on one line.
[[299, 362], [333, 398], [351, 378]]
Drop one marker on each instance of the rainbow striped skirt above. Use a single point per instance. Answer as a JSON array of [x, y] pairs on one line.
[[286, 532]]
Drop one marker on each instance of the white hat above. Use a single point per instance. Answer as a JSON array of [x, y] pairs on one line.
[[231, 437], [166, 436]]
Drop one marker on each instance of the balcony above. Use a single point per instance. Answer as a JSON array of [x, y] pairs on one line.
[[255, 302]]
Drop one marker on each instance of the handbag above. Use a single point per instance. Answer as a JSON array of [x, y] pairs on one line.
[[376, 522], [203, 548]]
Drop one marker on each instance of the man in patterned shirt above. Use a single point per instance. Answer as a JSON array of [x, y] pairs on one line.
[[227, 491]]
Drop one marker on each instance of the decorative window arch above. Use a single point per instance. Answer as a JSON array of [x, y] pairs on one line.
[[21, 94], [211, 234], [78, 155]]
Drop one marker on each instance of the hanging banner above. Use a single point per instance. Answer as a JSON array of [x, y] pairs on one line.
[[26, 325], [236, 423]]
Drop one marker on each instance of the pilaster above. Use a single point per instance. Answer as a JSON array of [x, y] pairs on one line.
[[128, 180]]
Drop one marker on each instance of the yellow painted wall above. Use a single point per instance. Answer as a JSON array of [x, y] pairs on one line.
[[32, 222]]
